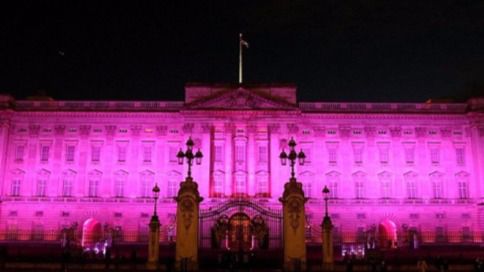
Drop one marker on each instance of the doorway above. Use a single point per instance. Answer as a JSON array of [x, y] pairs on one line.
[[240, 236]]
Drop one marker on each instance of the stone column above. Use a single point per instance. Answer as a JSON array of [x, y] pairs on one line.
[[327, 234], [154, 243], [187, 210], [294, 220]]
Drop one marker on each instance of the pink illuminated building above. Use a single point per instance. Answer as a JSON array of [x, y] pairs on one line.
[[399, 174]]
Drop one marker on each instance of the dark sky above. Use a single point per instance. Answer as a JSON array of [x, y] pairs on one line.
[[332, 50]]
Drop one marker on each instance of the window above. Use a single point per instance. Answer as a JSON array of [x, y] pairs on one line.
[[359, 190], [263, 154], [463, 185], [460, 156], [19, 153], [409, 152], [411, 183], [218, 156], [218, 183], [358, 152], [146, 183], [44, 153], [359, 179], [434, 153], [147, 154], [262, 188], [466, 234], [384, 152], [385, 184], [172, 152], [307, 148], [93, 187], [15, 189], [411, 189], [41, 187], [240, 183], [119, 187], [332, 152], [307, 188], [70, 153], [332, 181], [172, 188], [121, 153], [95, 153], [67, 187], [436, 180], [240, 154], [463, 188]]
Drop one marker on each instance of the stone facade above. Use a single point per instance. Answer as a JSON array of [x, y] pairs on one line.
[[418, 166]]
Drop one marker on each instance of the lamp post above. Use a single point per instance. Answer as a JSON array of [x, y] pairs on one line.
[[154, 238], [188, 200], [327, 234], [188, 154], [292, 156]]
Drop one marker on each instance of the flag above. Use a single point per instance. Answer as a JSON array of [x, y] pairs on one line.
[[243, 43]]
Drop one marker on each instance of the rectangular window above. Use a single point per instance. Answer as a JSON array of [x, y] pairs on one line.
[[333, 190], [263, 154], [44, 153], [147, 154], [332, 156], [460, 156], [307, 188], [121, 153], [19, 153], [67, 187], [95, 153], [384, 152], [240, 154], [434, 153], [409, 152], [70, 153], [93, 187], [218, 156], [172, 188], [358, 152], [463, 190], [119, 187], [386, 189], [411, 190], [359, 190], [172, 152], [15, 189], [41, 187]]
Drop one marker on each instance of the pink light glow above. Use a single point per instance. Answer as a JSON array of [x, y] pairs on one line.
[[414, 168]]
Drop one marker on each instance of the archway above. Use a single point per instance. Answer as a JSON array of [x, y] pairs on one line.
[[91, 233], [387, 234], [240, 236]]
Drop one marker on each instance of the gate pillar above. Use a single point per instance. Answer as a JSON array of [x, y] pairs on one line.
[[294, 220], [187, 214]]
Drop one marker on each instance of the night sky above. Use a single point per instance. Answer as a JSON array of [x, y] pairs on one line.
[[365, 50]]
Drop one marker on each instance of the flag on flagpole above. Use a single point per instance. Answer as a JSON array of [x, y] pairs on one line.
[[243, 42]]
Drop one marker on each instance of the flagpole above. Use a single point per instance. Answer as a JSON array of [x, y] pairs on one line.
[[240, 58]]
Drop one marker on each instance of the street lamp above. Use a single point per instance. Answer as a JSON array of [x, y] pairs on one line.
[[156, 194], [326, 197], [188, 154], [292, 156]]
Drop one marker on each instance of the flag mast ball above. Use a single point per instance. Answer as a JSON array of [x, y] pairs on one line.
[[242, 43]]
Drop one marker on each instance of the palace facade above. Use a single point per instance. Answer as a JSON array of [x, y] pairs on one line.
[[399, 174]]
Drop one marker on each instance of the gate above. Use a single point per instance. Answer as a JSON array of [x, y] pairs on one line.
[[266, 222]]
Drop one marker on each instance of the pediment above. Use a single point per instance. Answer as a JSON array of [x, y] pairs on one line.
[[240, 99]]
